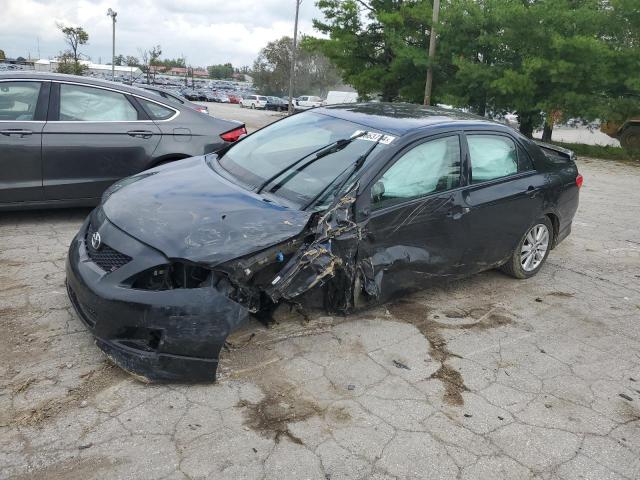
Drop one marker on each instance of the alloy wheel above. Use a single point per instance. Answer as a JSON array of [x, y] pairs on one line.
[[534, 247]]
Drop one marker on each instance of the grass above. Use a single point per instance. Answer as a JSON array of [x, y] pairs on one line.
[[605, 152]]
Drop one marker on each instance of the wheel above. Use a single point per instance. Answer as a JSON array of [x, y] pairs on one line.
[[532, 251], [253, 106], [630, 138]]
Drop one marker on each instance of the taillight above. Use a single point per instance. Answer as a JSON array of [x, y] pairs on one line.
[[234, 135], [579, 180]]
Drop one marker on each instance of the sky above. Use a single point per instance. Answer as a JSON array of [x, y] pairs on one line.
[[205, 31]]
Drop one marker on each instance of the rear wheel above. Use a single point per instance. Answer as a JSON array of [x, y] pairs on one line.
[[253, 106], [532, 250]]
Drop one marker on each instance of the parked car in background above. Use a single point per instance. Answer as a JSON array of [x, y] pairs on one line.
[[356, 203], [276, 104], [305, 102], [64, 139], [335, 97], [190, 94], [254, 101], [175, 97], [235, 99], [220, 98], [208, 96]]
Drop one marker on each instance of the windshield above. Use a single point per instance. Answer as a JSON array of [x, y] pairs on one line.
[[275, 151]]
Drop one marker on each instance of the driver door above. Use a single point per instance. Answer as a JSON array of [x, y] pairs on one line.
[[415, 230]]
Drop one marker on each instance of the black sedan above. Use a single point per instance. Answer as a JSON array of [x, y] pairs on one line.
[[64, 139], [349, 204]]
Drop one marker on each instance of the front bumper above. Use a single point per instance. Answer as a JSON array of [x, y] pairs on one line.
[[171, 335]]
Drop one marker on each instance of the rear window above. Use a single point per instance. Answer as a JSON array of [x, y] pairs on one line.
[[262, 98]]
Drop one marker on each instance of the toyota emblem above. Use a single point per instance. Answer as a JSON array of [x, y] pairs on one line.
[[96, 241]]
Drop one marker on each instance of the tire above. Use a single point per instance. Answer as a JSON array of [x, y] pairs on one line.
[[253, 106], [630, 138], [520, 267]]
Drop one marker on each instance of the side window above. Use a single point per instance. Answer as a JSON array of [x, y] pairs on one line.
[[524, 160], [432, 166], [174, 98], [492, 156], [156, 111], [18, 100], [88, 104]]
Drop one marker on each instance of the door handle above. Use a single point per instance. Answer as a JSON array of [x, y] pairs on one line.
[[532, 191], [457, 213], [140, 133], [15, 131]]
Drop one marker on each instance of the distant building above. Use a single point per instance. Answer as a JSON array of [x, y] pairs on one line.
[[44, 65]]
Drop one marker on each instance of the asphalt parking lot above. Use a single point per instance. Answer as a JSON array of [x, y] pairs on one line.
[[253, 119], [486, 378]]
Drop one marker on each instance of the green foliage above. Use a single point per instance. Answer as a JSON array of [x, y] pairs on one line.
[[2, 55], [220, 71], [74, 37], [314, 72], [150, 61], [379, 47], [69, 61], [540, 58], [131, 61], [67, 64], [172, 63]]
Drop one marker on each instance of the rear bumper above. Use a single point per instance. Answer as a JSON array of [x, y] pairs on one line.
[[173, 335]]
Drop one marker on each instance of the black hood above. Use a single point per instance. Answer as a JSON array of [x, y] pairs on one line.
[[187, 211]]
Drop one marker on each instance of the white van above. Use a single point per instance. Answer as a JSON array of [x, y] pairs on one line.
[[254, 101]]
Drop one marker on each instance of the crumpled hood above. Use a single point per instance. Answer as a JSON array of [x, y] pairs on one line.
[[187, 211]]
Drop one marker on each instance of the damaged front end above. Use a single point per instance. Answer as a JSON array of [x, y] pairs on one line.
[[325, 251], [168, 320], [167, 324]]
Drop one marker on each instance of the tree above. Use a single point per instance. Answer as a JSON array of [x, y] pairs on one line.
[[221, 71], [150, 61], [67, 64], [314, 72], [119, 60], [69, 61], [2, 55], [540, 58], [74, 37], [379, 46], [173, 62], [131, 61]]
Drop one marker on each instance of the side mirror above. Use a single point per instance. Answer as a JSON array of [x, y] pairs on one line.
[[377, 191]]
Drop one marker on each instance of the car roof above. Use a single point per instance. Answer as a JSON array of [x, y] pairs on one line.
[[28, 75], [402, 118]]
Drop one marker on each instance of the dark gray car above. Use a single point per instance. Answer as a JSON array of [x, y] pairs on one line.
[[64, 139]]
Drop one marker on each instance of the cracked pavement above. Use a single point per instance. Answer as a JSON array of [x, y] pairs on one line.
[[485, 378]]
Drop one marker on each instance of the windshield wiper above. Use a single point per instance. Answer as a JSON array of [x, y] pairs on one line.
[[356, 166], [333, 147]]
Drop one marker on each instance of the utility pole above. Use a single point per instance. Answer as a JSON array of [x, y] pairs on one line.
[[432, 53], [113, 15], [292, 74]]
